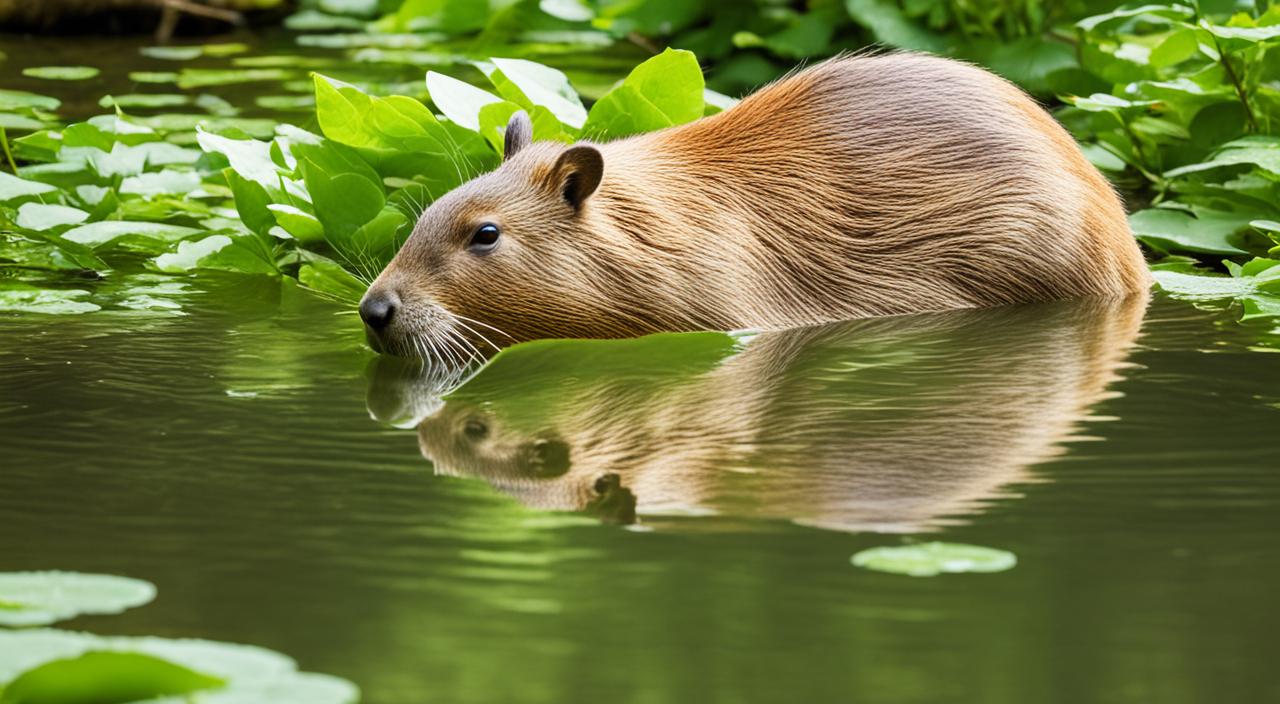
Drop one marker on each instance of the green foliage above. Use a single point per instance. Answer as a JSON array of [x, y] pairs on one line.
[[1190, 116], [48, 666]]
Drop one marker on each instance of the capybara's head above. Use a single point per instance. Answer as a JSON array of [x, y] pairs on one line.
[[496, 261]]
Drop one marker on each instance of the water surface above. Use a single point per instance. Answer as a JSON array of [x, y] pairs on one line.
[[666, 521]]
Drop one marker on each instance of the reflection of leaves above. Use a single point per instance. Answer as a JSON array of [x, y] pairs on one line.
[[21, 298], [932, 559]]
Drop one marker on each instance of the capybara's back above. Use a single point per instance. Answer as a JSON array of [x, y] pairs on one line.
[[885, 184]]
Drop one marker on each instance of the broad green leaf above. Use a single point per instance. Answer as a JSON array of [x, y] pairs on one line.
[[167, 181], [188, 254], [663, 91], [37, 216], [250, 158], [1203, 230], [18, 99], [1159, 12], [104, 677], [300, 225], [13, 188], [246, 254], [1258, 150], [1242, 37], [96, 234], [1175, 48], [252, 201], [1102, 102], [40, 598], [460, 102], [251, 675], [541, 85], [932, 559], [61, 73], [890, 26]]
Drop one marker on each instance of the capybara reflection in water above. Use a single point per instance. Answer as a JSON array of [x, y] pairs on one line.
[[886, 424]]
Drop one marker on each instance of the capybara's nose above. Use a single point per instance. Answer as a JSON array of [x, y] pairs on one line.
[[377, 309]]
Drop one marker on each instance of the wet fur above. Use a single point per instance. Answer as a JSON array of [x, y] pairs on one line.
[[863, 186]]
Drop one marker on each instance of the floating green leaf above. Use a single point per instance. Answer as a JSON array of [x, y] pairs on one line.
[[932, 559], [62, 667], [40, 598], [61, 73]]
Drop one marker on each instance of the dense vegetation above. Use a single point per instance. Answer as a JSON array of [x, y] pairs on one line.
[[1179, 105]]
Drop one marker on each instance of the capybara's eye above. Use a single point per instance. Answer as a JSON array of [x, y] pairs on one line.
[[485, 238], [475, 430]]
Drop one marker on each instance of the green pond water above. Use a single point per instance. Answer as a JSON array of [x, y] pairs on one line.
[[668, 520]]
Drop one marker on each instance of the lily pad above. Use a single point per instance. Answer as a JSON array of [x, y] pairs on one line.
[[932, 559], [199, 671], [41, 598], [61, 73]]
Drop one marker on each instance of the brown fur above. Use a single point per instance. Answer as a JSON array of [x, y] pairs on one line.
[[887, 424], [863, 186]]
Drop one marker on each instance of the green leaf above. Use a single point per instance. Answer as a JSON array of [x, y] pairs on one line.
[[104, 677], [536, 84], [252, 202], [36, 216], [164, 182], [890, 26], [1260, 151], [663, 91], [250, 158], [40, 598], [932, 559], [61, 73], [188, 254], [460, 102], [1175, 48], [251, 675], [300, 225], [1158, 12], [1197, 230], [19, 99], [13, 188], [96, 234]]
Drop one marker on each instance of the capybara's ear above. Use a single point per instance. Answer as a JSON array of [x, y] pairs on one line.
[[578, 172], [519, 134]]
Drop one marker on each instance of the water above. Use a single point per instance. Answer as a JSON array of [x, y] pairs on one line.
[[669, 521]]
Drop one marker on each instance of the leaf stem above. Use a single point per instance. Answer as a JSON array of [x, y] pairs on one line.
[[1235, 81], [8, 155]]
